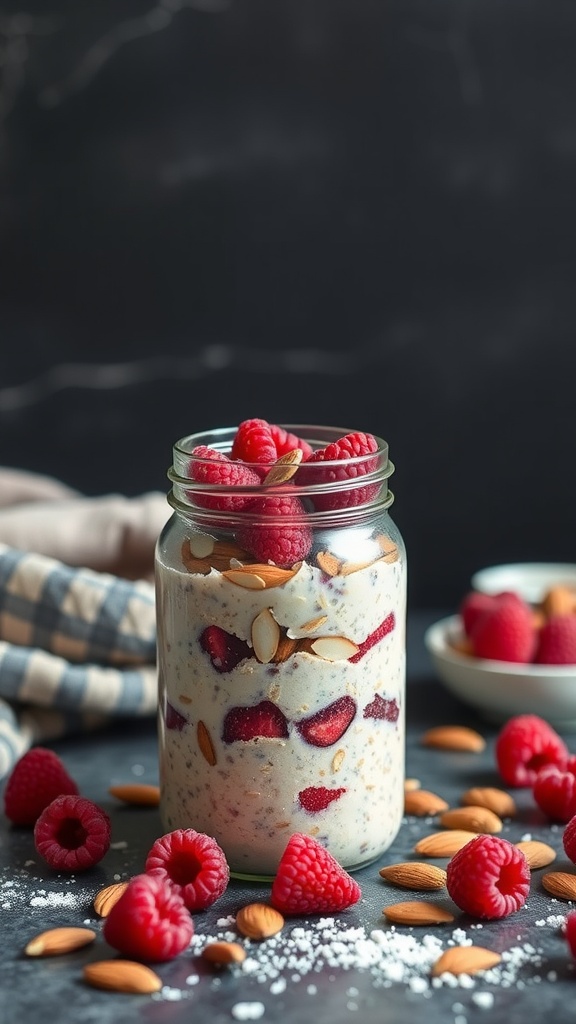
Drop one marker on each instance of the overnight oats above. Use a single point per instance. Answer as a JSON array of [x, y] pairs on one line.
[[281, 603]]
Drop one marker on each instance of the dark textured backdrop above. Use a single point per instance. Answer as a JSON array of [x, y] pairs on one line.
[[350, 212]]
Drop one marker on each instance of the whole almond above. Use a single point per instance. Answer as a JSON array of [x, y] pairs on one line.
[[59, 940], [137, 793], [453, 737], [472, 819], [224, 953], [417, 912], [259, 921], [538, 855], [443, 844], [284, 468], [497, 800], [558, 600], [286, 647], [411, 784], [561, 884], [122, 976], [421, 802], [414, 875], [205, 743], [106, 898], [465, 960]]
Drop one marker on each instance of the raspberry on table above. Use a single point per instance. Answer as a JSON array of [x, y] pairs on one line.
[[150, 921], [193, 863], [557, 641], [554, 791], [489, 877], [209, 466], [524, 745], [36, 779], [285, 539], [569, 839], [570, 932], [505, 632], [309, 880], [72, 833], [350, 447]]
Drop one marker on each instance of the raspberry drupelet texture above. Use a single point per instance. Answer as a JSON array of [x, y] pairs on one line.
[[505, 632], [279, 540], [254, 442], [208, 466], [569, 839], [570, 932], [72, 833], [554, 791], [524, 745], [310, 880], [557, 641], [36, 779], [193, 863], [488, 877], [150, 921], [345, 451]]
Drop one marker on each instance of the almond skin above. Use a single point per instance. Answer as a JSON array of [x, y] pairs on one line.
[[465, 960], [55, 941], [205, 743], [259, 921], [443, 844], [538, 855], [497, 800], [473, 819], [137, 793], [414, 875], [422, 802], [122, 976], [224, 953], [413, 912], [560, 884], [106, 898], [453, 737]]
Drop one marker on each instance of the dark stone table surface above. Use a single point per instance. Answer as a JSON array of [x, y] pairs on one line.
[[537, 980]]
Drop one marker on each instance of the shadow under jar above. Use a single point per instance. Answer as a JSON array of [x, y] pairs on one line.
[[281, 607]]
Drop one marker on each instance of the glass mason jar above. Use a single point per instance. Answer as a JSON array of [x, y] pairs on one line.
[[281, 607]]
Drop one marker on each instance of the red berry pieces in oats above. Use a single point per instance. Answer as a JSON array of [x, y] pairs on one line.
[[569, 839], [150, 921], [375, 637], [310, 880], [36, 779], [173, 719], [208, 466], [328, 725], [224, 649], [318, 798], [384, 708], [278, 531], [524, 745], [557, 641], [72, 833], [488, 877], [554, 791], [286, 442], [505, 632], [263, 720], [349, 453], [193, 863]]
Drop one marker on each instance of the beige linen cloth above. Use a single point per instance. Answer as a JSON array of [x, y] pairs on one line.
[[77, 609]]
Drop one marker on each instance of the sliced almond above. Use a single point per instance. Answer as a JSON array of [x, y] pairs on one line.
[[201, 545], [205, 743], [284, 468], [224, 953], [59, 940], [465, 960], [338, 759], [538, 855], [414, 875], [122, 976], [421, 802], [286, 647], [443, 844], [561, 884], [108, 897], [259, 575], [193, 564], [137, 793], [334, 648], [388, 548], [347, 568], [497, 800], [453, 737], [259, 921], [265, 635], [472, 819], [313, 624], [417, 912], [328, 562]]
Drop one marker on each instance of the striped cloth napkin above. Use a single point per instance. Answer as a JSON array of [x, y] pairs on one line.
[[77, 610]]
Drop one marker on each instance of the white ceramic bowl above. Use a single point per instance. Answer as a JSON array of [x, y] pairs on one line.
[[530, 580], [501, 689]]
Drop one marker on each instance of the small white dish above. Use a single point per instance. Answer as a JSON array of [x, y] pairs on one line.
[[530, 580], [500, 689]]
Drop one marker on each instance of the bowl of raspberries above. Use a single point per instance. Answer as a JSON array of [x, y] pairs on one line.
[[511, 646]]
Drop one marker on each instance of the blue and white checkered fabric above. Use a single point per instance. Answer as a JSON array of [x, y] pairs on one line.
[[77, 648]]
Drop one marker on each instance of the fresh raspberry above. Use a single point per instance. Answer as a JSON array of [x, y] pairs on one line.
[[310, 880], [36, 779], [328, 725], [557, 641], [248, 723], [375, 637], [488, 877], [72, 833], [472, 606], [150, 921], [318, 798], [569, 839], [570, 932], [350, 447], [524, 745], [253, 442], [506, 632], [286, 442], [224, 649], [286, 539], [555, 791], [193, 863], [384, 708], [209, 466]]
